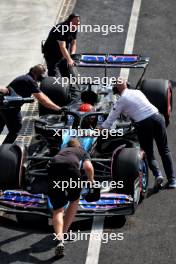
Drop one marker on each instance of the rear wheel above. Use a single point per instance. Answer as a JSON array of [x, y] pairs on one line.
[[58, 94], [159, 93]]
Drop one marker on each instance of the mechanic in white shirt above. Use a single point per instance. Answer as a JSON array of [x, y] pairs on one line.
[[150, 125]]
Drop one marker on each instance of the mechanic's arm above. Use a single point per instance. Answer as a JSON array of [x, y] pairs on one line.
[[113, 115], [65, 53], [89, 170], [73, 47], [45, 101], [4, 90]]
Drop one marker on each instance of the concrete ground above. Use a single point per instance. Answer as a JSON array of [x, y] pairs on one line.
[[23, 25]]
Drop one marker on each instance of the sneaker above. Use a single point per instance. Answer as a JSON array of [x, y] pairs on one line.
[[59, 251], [159, 182], [172, 183]]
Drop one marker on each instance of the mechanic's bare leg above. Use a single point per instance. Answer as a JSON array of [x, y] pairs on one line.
[[70, 214], [58, 222]]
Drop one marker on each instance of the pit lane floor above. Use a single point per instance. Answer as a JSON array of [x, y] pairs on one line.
[[149, 235]]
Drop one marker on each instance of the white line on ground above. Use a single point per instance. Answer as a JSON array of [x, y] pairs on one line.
[[97, 226], [95, 244], [131, 34]]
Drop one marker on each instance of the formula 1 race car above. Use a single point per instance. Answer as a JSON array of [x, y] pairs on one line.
[[117, 157]]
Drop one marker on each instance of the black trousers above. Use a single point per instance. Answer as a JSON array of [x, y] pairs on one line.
[[13, 120], [56, 66], [148, 130]]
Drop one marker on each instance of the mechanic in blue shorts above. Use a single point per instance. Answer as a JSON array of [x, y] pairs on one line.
[[150, 126], [65, 167], [25, 86]]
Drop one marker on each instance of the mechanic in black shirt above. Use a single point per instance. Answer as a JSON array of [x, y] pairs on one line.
[[25, 86], [66, 167], [60, 44]]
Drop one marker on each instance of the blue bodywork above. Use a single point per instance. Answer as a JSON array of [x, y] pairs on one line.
[[86, 142]]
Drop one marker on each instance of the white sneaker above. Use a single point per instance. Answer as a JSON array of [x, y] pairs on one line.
[[159, 182], [59, 251]]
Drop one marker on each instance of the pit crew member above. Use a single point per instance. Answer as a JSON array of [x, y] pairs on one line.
[[66, 167], [150, 126], [60, 45], [25, 86]]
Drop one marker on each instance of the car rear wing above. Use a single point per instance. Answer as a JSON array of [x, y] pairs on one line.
[[107, 61], [110, 60]]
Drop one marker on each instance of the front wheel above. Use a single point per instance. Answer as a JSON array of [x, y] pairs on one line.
[[128, 167], [10, 166], [125, 168], [143, 176]]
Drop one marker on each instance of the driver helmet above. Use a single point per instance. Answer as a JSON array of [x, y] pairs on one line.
[[86, 107]]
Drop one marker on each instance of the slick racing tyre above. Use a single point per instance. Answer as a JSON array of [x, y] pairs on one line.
[[159, 93], [10, 159], [126, 168], [30, 219], [58, 94], [38, 185]]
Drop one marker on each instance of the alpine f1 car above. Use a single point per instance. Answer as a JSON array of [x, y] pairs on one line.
[[116, 158]]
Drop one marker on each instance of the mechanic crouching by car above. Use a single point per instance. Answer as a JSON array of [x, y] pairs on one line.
[[25, 86], [65, 167], [150, 125], [60, 45]]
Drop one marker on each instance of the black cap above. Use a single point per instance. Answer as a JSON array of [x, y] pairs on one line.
[[72, 15]]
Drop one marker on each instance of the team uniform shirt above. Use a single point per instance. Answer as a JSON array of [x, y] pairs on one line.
[[70, 158], [132, 103], [51, 48], [24, 85], [65, 166]]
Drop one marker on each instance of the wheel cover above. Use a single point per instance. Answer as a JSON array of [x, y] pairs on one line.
[[143, 176]]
